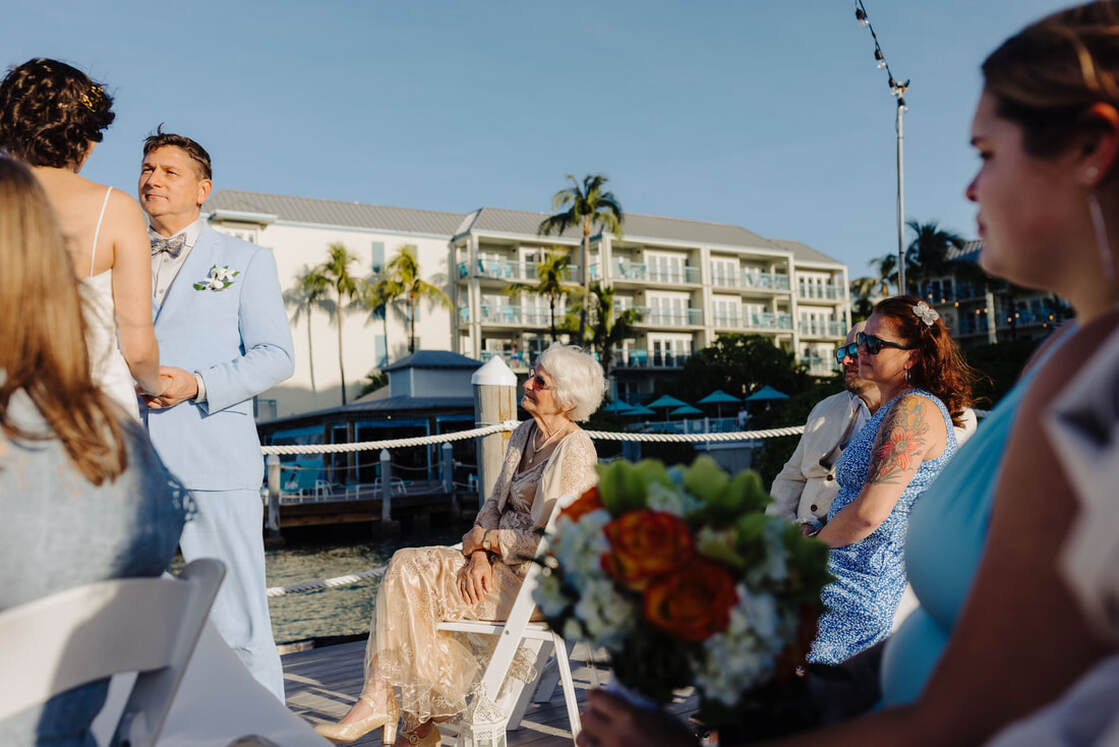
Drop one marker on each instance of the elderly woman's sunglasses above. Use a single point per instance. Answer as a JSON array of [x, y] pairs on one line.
[[851, 350], [874, 344]]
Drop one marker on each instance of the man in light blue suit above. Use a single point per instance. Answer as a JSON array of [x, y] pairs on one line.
[[223, 339]]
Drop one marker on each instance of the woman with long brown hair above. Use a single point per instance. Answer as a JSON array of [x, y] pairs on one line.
[[83, 495], [51, 117]]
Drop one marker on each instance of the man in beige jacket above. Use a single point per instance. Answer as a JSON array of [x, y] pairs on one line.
[[804, 489]]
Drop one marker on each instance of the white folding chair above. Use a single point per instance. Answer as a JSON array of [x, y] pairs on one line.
[[486, 718], [91, 632]]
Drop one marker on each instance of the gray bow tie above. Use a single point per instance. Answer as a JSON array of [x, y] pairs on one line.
[[172, 246]]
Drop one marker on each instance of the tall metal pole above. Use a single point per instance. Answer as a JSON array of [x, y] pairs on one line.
[[901, 201]]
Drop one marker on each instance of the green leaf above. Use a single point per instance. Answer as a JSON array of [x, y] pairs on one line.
[[621, 488], [705, 479]]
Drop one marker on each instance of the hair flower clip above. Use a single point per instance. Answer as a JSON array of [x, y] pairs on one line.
[[926, 313]]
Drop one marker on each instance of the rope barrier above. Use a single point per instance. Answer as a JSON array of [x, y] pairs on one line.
[[394, 443], [329, 583], [509, 425]]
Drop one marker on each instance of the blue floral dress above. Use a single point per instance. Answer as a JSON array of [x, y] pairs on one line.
[[870, 574]]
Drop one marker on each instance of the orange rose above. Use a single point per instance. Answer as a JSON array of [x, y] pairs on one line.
[[644, 544], [587, 502], [693, 603]]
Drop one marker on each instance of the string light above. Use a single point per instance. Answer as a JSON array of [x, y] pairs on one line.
[[896, 89]]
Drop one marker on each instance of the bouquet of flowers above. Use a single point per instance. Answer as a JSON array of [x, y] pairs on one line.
[[684, 580]]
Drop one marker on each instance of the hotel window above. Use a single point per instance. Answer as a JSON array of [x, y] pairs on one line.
[[724, 272], [378, 249], [665, 268]]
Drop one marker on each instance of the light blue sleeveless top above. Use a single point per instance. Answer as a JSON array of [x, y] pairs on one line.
[[947, 534]]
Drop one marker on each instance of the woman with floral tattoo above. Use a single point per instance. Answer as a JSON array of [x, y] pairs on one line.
[[548, 456], [907, 353]]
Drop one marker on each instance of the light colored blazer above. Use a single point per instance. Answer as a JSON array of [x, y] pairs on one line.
[[805, 488], [238, 339]]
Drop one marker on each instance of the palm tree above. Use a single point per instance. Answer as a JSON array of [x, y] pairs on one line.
[[335, 273], [927, 255], [887, 267], [609, 329], [308, 294], [403, 281], [583, 205], [551, 282], [863, 288]]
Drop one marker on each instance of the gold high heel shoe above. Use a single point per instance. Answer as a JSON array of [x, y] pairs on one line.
[[385, 720]]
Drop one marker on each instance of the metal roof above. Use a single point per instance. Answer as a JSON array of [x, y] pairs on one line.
[[399, 403], [433, 359], [969, 252], [336, 212], [492, 220]]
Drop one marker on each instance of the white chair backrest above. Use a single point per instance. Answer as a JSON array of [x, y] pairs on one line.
[[91, 632], [522, 610]]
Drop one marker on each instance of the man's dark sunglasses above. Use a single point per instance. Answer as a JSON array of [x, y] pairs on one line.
[[851, 350], [874, 344]]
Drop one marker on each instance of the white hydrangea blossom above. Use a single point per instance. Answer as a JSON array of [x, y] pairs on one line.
[[548, 595], [744, 655], [579, 545], [776, 567], [607, 617]]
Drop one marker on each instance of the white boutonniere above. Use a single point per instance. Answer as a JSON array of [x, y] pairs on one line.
[[219, 278]]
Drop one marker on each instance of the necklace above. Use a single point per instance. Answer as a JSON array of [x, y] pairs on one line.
[[535, 450]]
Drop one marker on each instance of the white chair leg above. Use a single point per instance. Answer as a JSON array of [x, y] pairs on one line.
[[549, 677], [564, 667], [526, 689]]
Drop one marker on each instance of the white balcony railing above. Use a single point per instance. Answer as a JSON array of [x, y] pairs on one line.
[[821, 328], [770, 281], [813, 292], [511, 314], [759, 321], [513, 270], [639, 271], [648, 359], [663, 316]]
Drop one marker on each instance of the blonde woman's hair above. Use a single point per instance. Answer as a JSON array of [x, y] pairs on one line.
[[577, 379], [1045, 77], [42, 333]]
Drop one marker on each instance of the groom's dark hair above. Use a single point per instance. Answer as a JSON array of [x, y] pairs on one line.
[[196, 152]]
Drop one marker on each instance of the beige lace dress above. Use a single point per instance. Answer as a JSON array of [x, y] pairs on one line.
[[434, 671]]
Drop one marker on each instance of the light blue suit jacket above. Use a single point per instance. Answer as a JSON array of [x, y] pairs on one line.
[[239, 340]]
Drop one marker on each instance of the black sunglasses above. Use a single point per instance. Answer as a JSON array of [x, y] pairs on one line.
[[847, 351], [874, 344]]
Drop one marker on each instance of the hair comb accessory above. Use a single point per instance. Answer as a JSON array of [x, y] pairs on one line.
[[94, 96], [926, 313]]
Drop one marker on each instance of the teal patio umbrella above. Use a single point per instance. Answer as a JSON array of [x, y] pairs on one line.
[[766, 393], [618, 407], [719, 398], [666, 400], [639, 410], [687, 410]]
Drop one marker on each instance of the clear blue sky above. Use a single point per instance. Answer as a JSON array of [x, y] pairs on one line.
[[769, 114]]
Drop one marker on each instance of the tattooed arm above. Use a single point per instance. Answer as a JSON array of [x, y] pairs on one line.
[[906, 437]]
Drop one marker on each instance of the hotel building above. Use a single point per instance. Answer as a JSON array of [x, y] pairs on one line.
[[691, 281]]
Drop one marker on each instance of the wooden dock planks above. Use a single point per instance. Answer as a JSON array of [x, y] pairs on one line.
[[323, 683]]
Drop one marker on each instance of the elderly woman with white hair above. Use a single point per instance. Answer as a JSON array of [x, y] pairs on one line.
[[432, 671]]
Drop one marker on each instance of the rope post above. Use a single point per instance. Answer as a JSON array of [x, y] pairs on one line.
[[272, 525], [495, 402], [386, 488], [447, 462]]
